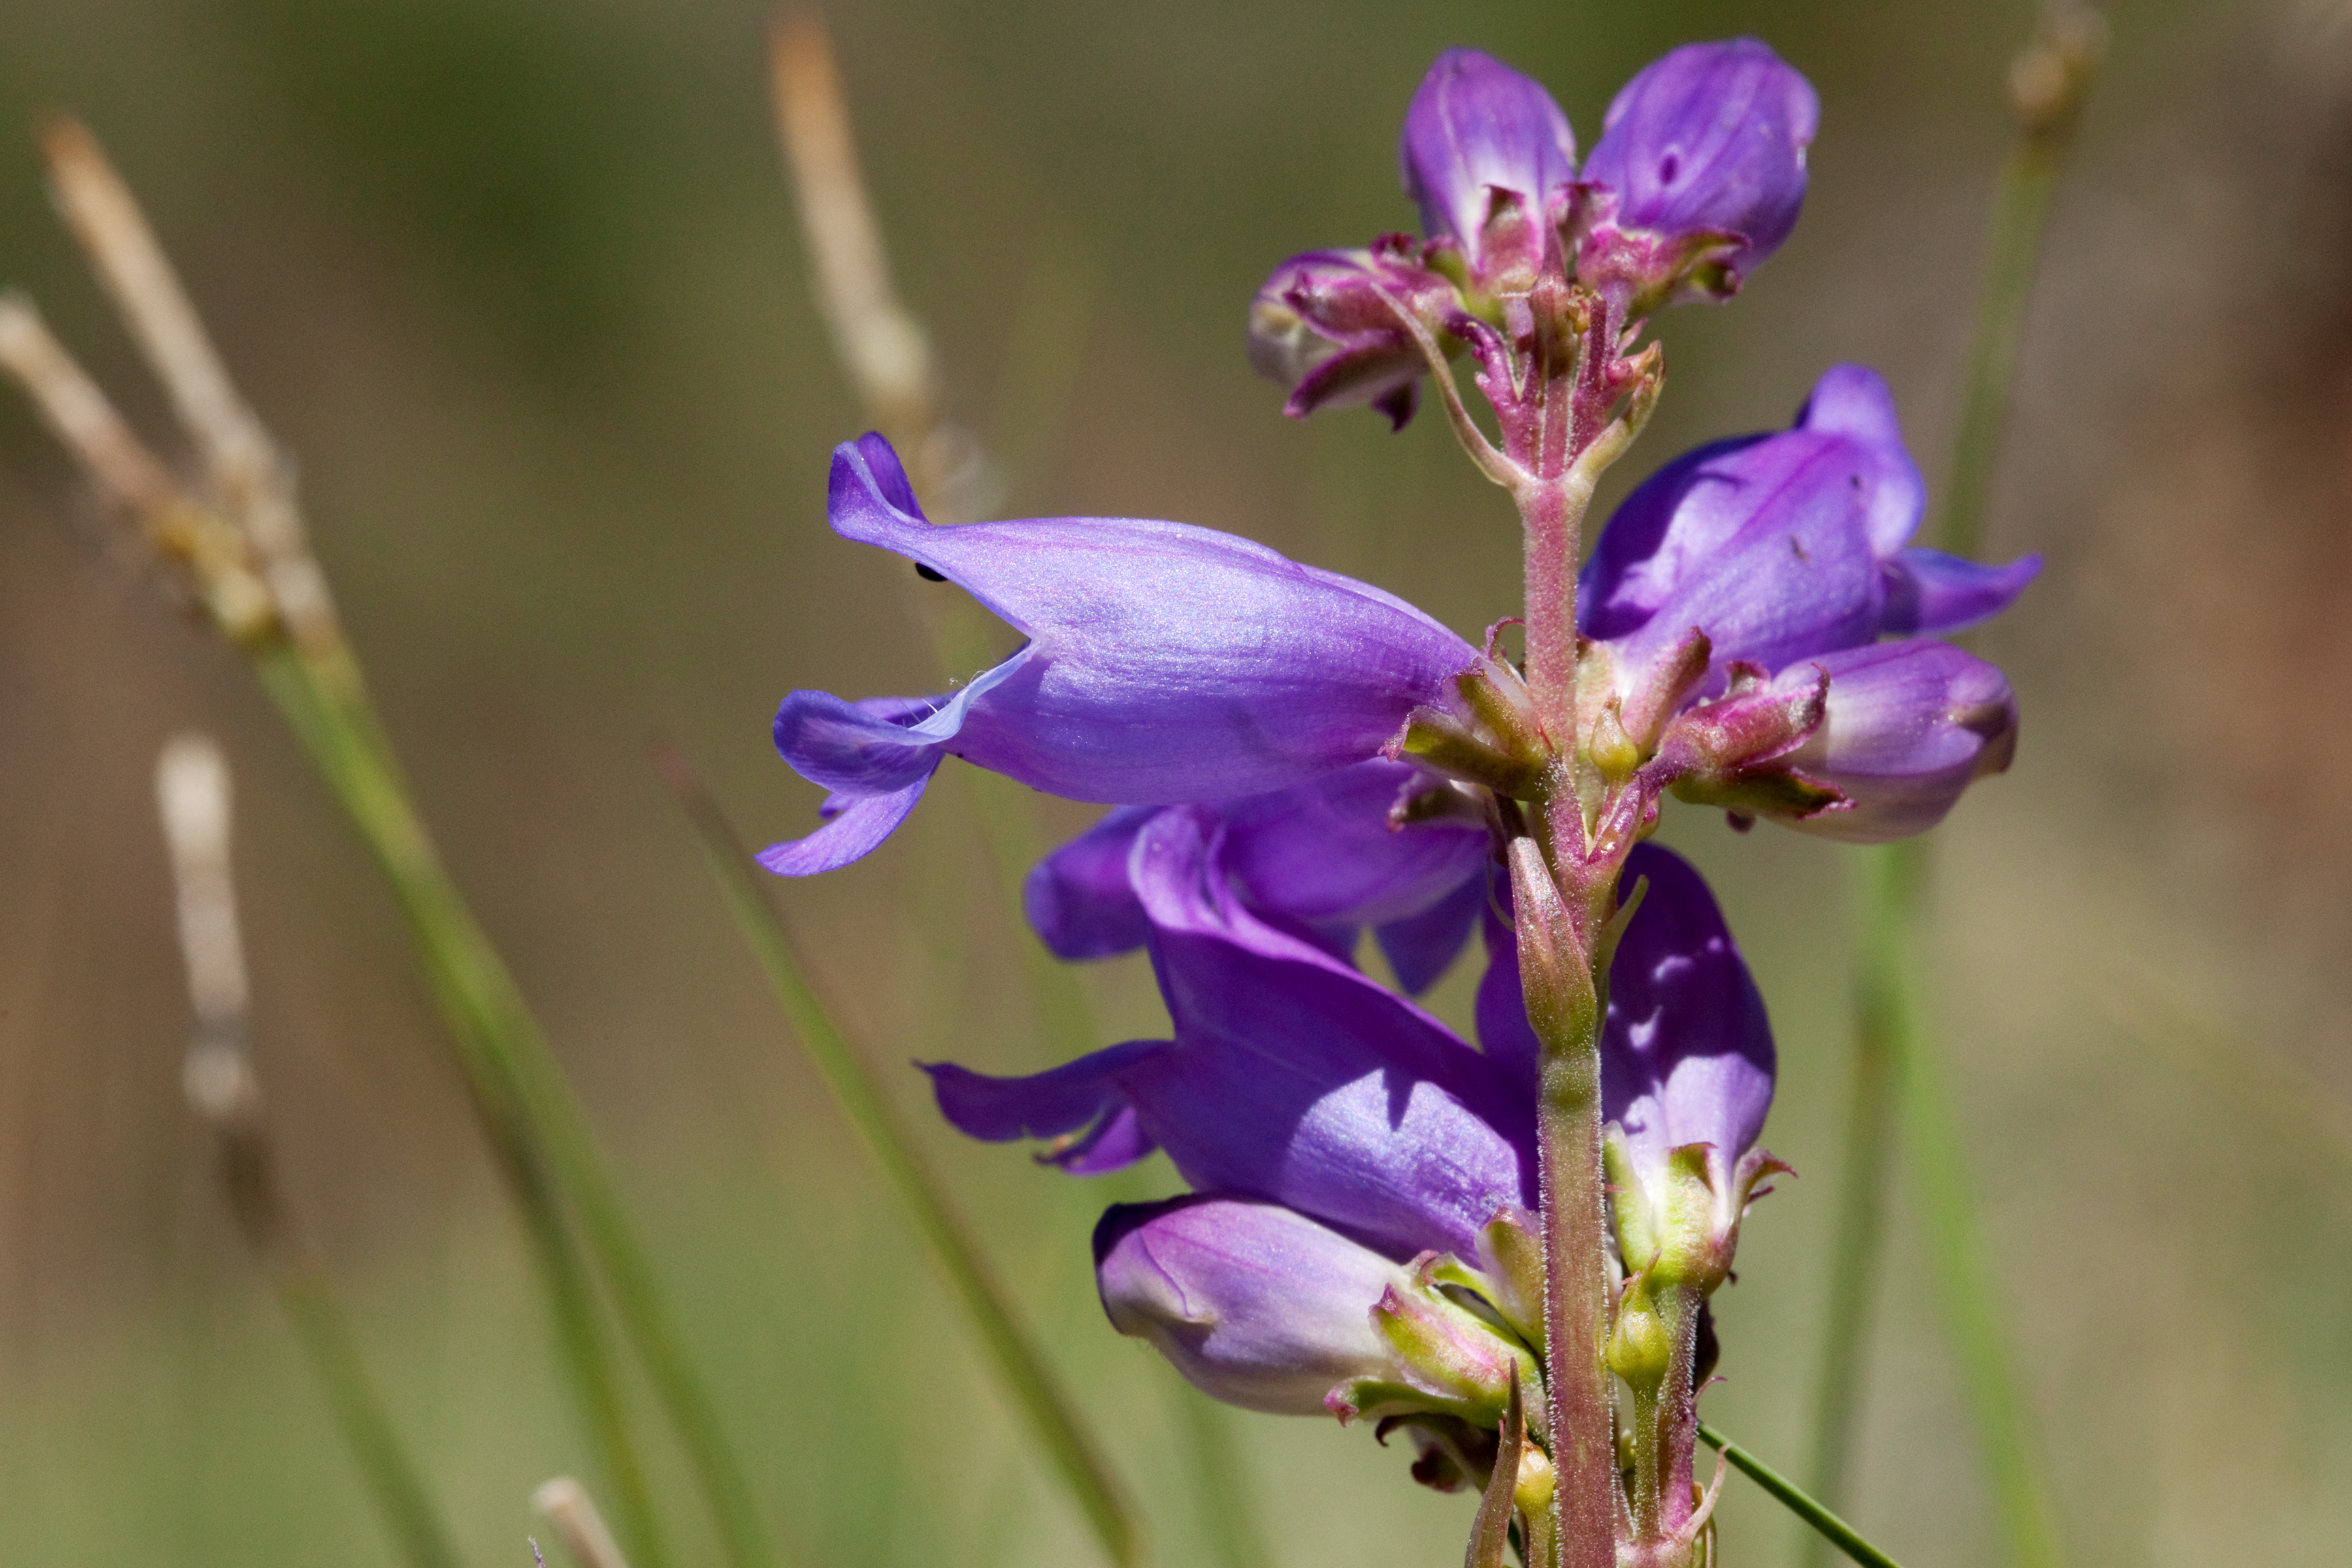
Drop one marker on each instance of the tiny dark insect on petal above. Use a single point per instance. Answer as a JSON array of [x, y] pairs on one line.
[[928, 575]]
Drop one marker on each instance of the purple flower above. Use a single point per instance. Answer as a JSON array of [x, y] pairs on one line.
[[1164, 663], [1699, 173], [1322, 859], [1485, 149], [1295, 1081], [1782, 546]]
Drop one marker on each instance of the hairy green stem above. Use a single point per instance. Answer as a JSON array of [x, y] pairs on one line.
[[1075, 1454], [1832, 1529]]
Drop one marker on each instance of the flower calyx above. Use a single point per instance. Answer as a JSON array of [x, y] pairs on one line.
[[1453, 1355], [1486, 734], [1734, 750], [1337, 326], [1679, 1219]]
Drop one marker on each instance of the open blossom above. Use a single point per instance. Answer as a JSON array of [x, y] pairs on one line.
[[1698, 178], [1349, 1148], [1790, 555], [1164, 663]]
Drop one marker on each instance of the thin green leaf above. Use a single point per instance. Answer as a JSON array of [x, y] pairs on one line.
[[1053, 1418], [1832, 1529]]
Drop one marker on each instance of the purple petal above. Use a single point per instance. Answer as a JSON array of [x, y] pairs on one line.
[[1421, 948], [1771, 545], [1078, 899], [880, 744], [1165, 662], [1044, 1105], [1255, 1305], [1709, 139], [1084, 1094], [1296, 1079], [1928, 591], [854, 825], [1325, 852], [1686, 1056], [1319, 859], [1909, 726], [1475, 129], [1114, 1143]]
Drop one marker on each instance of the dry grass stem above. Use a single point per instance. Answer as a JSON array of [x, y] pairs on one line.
[[253, 482], [566, 1505], [78, 413], [192, 791], [176, 526], [878, 338]]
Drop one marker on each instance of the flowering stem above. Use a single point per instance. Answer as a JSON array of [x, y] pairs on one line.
[[1566, 1012]]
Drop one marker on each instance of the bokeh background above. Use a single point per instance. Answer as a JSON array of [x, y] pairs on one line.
[[520, 283]]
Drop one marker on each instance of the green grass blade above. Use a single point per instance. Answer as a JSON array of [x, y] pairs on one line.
[[1831, 1529], [1973, 1308], [2047, 86], [537, 1128], [1076, 1456], [324, 1332]]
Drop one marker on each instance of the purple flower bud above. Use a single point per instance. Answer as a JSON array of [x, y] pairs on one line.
[[1325, 325], [1255, 1304], [1906, 728], [1698, 174], [1488, 157]]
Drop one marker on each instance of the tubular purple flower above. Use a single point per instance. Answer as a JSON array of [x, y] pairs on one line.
[[1292, 1078], [1294, 1081], [1254, 1304], [1479, 135], [1908, 726], [1782, 546], [1164, 663], [1700, 174], [1324, 859]]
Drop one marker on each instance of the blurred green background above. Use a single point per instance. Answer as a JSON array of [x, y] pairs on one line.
[[520, 284]]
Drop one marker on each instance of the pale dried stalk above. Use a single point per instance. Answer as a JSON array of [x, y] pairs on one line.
[[192, 791], [252, 479], [192, 794], [177, 526], [78, 413], [879, 341], [565, 1504]]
